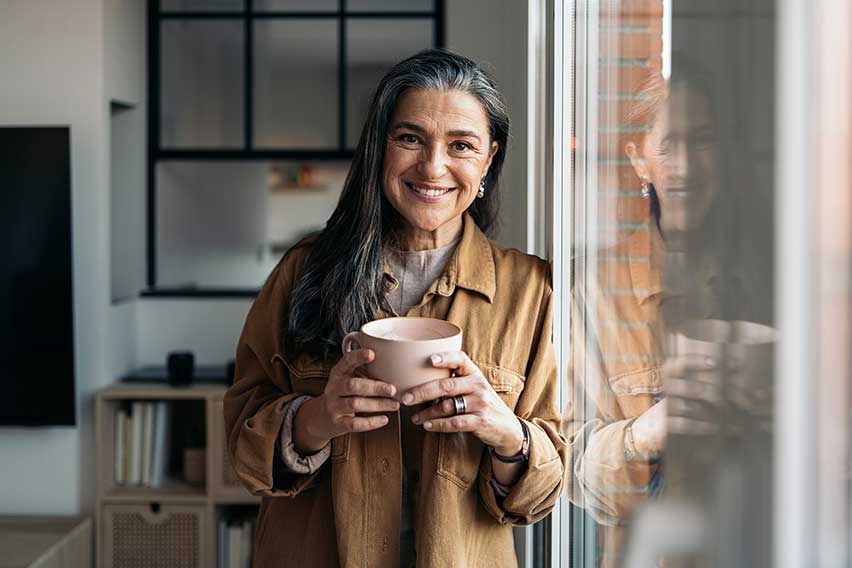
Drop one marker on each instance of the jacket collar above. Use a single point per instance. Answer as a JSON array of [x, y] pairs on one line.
[[471, 265]]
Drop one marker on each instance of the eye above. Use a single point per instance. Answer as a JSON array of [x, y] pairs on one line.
[[461, 146], [407, 138]]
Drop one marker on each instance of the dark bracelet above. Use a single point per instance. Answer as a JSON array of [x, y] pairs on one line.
[[525, 448]]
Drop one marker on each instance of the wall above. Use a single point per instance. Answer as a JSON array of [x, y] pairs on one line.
[[56, 83]]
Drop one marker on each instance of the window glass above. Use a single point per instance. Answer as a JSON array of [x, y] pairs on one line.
[[226, 224], [670, 265], [295, 5], [202, 5], [201, 74], [390, 5], [295, 84]]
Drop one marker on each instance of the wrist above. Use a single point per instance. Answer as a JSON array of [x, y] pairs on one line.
[[515, 445], [308, 438]]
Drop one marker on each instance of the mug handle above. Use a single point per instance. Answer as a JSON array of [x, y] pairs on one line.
[[351, 338]]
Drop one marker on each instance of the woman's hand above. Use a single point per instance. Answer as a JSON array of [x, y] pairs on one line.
[[336, 411], [487, 416]]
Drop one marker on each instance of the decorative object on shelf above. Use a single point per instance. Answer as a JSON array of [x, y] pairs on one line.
[[293, 177], [194, 464], [181, 366], [203, 374]]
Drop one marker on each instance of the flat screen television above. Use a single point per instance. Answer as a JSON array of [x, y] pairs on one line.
[[36, 302]]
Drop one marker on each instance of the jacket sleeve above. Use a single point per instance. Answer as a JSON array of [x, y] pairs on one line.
[[535, 494], [255, 405], [603, 477]]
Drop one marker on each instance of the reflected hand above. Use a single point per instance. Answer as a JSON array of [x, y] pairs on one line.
[[487, 417]]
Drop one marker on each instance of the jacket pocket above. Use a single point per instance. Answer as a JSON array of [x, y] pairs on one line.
[[637, 391], [460, 453]]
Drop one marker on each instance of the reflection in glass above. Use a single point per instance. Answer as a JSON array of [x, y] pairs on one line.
[[226, 224], [390, 5], [201, 5], [672, 318], [295, 84], [201, 66], [295, 5], [373, 47]]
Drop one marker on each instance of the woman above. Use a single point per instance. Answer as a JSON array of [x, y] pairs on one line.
[[349, 477]]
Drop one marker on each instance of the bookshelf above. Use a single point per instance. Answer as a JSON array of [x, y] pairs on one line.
[[178, 522]]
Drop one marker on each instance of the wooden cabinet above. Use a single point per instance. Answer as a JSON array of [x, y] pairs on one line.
[[174, 525]]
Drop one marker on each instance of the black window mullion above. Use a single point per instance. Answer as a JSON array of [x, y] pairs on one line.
[[248, 92], [439, 23], [341, 77], [153, 136]]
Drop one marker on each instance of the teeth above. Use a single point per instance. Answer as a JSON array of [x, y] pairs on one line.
[[428, 192]]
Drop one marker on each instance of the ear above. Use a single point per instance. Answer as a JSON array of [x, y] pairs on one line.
[[636, 160], [491, 154]]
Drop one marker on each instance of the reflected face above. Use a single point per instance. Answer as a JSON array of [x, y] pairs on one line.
[[437, 150], [679, 157]]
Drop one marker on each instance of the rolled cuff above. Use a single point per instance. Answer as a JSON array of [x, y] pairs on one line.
[[293, 461]]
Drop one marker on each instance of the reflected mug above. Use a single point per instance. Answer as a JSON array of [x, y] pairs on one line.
[[403, 346]]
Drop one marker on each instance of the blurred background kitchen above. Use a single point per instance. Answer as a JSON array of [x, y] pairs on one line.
[[683, 164]]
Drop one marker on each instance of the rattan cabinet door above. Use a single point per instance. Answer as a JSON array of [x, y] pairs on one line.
[[142, 536]]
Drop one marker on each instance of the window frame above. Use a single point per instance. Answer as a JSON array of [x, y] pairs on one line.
[[156, 154]]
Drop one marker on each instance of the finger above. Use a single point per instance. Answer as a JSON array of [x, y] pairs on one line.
[[441, 409], [354, 359], [684, 364], [460, 423], [365, 423], [360, 386], [457, 360], [352, 404], [691, 388], [440, 388], [681, 425]]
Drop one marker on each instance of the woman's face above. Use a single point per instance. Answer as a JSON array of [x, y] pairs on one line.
[[679, 157], [437, 150]]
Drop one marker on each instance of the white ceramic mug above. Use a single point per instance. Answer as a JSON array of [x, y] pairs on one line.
[[403, 347]]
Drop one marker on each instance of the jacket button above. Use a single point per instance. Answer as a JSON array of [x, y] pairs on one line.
[[385, 465]]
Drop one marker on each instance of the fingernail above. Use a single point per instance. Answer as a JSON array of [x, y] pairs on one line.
[[415, 419], [709, 362], [427, 425], [395, 405], [408, 397], [436, 359], [384, 420], [390, 390]]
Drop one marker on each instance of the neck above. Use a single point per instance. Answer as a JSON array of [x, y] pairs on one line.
[[412, 239]]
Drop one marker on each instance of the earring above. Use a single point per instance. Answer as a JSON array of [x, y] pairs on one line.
[[646, 189], [481, 193]]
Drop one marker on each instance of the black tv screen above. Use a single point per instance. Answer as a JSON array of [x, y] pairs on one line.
[[36, 303]]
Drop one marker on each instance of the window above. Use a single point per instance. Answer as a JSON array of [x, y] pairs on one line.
[[256, 107]]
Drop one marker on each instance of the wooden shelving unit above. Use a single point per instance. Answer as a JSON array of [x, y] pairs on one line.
[[175, 523]]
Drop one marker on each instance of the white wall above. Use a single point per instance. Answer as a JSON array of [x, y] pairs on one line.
[[51, 59]]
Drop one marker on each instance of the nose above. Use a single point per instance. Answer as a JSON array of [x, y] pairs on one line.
[[679, 163], [433, 162]]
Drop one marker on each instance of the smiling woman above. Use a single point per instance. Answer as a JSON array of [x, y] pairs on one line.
[[354, 471]]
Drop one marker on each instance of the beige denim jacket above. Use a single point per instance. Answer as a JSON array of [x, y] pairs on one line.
[[348, 513]]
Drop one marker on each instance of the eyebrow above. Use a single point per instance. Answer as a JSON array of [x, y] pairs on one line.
[[417, 128]]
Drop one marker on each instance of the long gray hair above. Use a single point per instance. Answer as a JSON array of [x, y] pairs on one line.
[[341, 286]]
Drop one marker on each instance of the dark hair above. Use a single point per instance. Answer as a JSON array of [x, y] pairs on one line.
[[342, 284]]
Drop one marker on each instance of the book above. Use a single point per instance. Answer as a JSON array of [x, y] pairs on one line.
[[235, 531], [246, 544], [159, 449], [128, 439], [119, 449], [147, 441], [136, 410], [222, 544]]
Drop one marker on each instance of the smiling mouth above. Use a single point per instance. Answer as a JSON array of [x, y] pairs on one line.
[[428, 190]]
